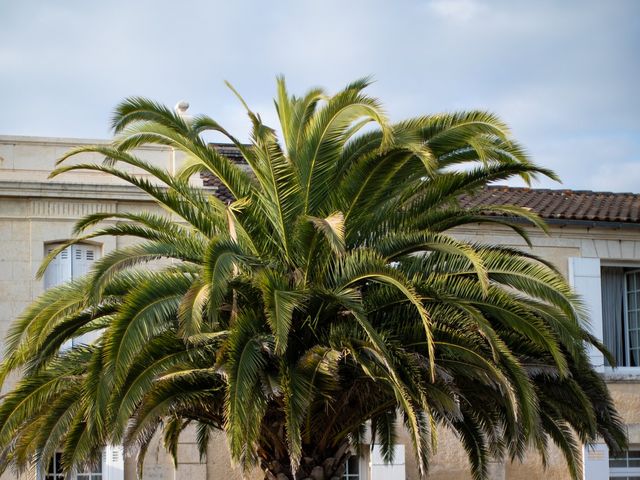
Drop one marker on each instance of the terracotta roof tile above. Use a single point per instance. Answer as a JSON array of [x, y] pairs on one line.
[[209, 180], [580, 205], [562, 204], [222, 192]]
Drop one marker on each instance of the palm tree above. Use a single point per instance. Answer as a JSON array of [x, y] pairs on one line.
[[325, 300]]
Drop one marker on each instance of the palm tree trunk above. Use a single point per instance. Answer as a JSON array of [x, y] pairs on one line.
[[328, 465]]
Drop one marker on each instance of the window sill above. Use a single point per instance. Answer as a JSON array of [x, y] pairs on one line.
[[621, 374]]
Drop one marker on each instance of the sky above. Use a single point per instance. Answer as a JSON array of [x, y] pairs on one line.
[[563, 74]]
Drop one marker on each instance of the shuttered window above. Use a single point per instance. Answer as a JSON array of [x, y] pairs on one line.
[[70, 264]]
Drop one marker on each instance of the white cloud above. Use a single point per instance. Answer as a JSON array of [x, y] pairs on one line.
[[456, 10], [563, 74]]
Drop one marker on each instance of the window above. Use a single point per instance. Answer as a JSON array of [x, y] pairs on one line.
[[70, 264], [632, 323], [54, 472], [352, 470], [621, 314], [93, 474], [625, 466]]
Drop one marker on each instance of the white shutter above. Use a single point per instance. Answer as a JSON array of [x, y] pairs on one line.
[[387, 471], [59, 270], [595, 462], [584, 276], [113, 468], [82, 258]]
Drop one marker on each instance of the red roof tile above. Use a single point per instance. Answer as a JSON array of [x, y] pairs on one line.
[[567, 205], [209, 180]]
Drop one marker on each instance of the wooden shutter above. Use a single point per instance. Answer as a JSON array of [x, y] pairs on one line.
[[114, 465], [595, 462], [387, 471], [584, 276]]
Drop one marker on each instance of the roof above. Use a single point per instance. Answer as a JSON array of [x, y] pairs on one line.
[[556, 206], [568, 205], [222, 192], [230, 151], [209, 180]]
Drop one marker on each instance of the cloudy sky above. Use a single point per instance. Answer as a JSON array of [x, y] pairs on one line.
[[564, 74]]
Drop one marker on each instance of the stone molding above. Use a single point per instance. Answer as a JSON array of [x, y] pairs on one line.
[[49, 208], [67, 142], [72, 190]]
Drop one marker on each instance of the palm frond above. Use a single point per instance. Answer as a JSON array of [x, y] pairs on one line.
[[331, 294]]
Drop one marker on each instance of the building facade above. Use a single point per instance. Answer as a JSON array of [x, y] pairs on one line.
[[594, 239]]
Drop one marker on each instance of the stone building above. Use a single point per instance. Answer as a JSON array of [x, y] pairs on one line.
[[594, 240]]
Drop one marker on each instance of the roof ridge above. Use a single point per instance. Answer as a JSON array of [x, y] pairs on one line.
[[560, 190]]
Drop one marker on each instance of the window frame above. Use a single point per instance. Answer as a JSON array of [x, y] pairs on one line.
[[623, 370], [91, 474], [353, 475], [623, 473], [54, 472], [627, 333]]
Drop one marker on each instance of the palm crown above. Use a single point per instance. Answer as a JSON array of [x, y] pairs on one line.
[[326, 298]]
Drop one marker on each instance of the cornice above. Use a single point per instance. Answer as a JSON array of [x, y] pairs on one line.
[[58, 190], [67, 142]]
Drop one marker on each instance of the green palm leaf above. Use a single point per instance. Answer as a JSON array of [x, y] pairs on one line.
[[328, 297]]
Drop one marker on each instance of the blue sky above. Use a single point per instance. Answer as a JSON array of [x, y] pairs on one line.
[[564, 74]]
